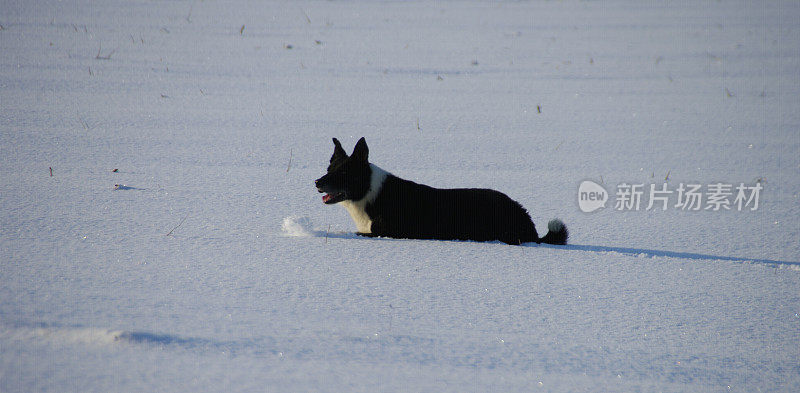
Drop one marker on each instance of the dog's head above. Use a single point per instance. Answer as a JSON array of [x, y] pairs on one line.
[[348, 177]]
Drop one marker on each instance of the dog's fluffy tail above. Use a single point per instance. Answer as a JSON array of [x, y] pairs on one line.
[[556, 233]]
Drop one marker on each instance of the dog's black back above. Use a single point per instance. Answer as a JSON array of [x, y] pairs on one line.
[[409, 210]]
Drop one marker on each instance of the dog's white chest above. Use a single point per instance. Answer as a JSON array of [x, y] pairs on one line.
[[359, 215], [358, 209]]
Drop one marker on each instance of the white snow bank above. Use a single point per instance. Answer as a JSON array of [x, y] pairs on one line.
[[65, 335], [298, 226]]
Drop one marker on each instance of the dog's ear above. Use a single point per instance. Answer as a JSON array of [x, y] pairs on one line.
[[361, 151], [338, 152]]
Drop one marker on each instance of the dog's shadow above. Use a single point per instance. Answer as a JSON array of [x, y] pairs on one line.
[[647, 253], [636, 252]]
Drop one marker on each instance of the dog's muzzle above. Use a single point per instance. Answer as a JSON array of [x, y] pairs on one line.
[[330, 197]]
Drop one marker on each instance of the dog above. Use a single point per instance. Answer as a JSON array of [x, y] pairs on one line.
[[384, 205]]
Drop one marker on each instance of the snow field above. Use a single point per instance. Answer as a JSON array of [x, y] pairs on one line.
[[217, 133]]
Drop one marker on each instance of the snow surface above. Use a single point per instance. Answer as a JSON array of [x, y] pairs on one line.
[[218, 117]]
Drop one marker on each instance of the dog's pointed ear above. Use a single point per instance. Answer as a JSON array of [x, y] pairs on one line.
[[338, 152], [361, 151]]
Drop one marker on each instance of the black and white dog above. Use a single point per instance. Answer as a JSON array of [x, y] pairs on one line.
[[382, 204]]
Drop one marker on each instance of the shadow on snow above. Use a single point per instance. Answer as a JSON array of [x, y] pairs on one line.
[[670, 254]]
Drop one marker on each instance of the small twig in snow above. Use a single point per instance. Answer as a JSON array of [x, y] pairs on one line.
[[179, 224], [83, 123], [290, 161], [106, 57], [241, 31]]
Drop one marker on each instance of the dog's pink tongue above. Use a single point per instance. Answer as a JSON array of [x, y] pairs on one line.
[[326, 197]]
